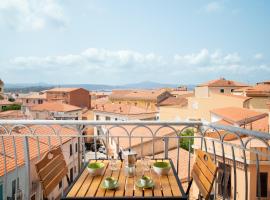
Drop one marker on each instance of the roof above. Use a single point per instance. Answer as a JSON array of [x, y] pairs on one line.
[[6, 102], [151, 95], [62, 89], [55, 106], [33, 145], [182, 93], [12, 114], [237, 115], [174, 101], [244, 98], [35, 95], [261, 89], [222, 82], [122, 109]]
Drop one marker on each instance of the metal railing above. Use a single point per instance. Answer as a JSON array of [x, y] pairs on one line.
[[242, 155]]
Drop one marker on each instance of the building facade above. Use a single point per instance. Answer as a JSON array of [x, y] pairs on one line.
[[73, 96]]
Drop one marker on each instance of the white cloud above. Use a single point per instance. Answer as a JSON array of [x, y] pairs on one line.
[[213, 7], [107, 66], [24, 15], [205, 58], [258, 56]]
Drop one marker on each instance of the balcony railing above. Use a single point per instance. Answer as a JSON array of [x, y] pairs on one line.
[[242, 155]]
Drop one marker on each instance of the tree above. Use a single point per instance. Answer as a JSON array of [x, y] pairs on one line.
[[186, 141], [12, 107]]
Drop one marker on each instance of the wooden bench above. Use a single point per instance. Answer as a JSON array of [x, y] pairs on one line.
[[204, 173], [51, 169]]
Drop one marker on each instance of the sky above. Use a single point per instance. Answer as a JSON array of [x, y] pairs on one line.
[[129, 41]]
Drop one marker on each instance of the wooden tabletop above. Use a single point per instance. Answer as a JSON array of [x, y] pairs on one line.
[[89, 187]]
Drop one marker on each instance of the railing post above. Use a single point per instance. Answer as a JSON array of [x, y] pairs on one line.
[[27, 169], [166, 147]]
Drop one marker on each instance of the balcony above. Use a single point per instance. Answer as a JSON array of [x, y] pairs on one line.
[[242, 155]]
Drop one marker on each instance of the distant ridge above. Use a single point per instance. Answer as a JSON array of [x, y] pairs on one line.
[[99, 87]]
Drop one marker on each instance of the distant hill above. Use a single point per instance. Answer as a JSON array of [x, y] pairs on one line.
[[36, 87]]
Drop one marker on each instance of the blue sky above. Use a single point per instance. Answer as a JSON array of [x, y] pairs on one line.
[[120, 41]]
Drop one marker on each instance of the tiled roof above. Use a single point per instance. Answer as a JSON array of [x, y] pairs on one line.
[[12, 114], [244, 98], [174, 101], [222, 82], [245, 118], [123, 109], [33, 145], [151, 95], [6, 102], [238, 115], [55, 106], [62, 89], [261, 89], [35, 95], [182, 93]]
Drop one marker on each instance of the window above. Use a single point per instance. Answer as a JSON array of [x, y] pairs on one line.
[[13, 188], [107, 118], [60, 184], [1, 192], [71, 174], [76, 147], [97, 117], [221, 90], [232, 90], [27, 100], [264, 185], [40, 101], [70, 150], [115, 119]]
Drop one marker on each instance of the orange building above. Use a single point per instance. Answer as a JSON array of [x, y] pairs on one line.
[[73, 96]]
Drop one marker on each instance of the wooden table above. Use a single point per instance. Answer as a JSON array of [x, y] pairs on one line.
[[89, 187]]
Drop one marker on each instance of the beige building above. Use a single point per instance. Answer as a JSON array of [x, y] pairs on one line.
[[32, 99], [207, 96], [198, 107], [221, 85], [147, 99]]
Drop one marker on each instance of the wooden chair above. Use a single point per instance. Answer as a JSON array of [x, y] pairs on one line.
[[203, 173], [51, 169]]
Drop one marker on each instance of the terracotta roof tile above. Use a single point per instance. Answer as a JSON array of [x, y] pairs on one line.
[[261, 89], [62, 89], [123, 109], [238, 115], [55, 106], [151, 95], [222, 82], [174, 101], [6, 102], [12, 114], [35, 96]]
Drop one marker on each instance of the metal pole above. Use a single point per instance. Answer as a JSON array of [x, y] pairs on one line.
[[27, 168]]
